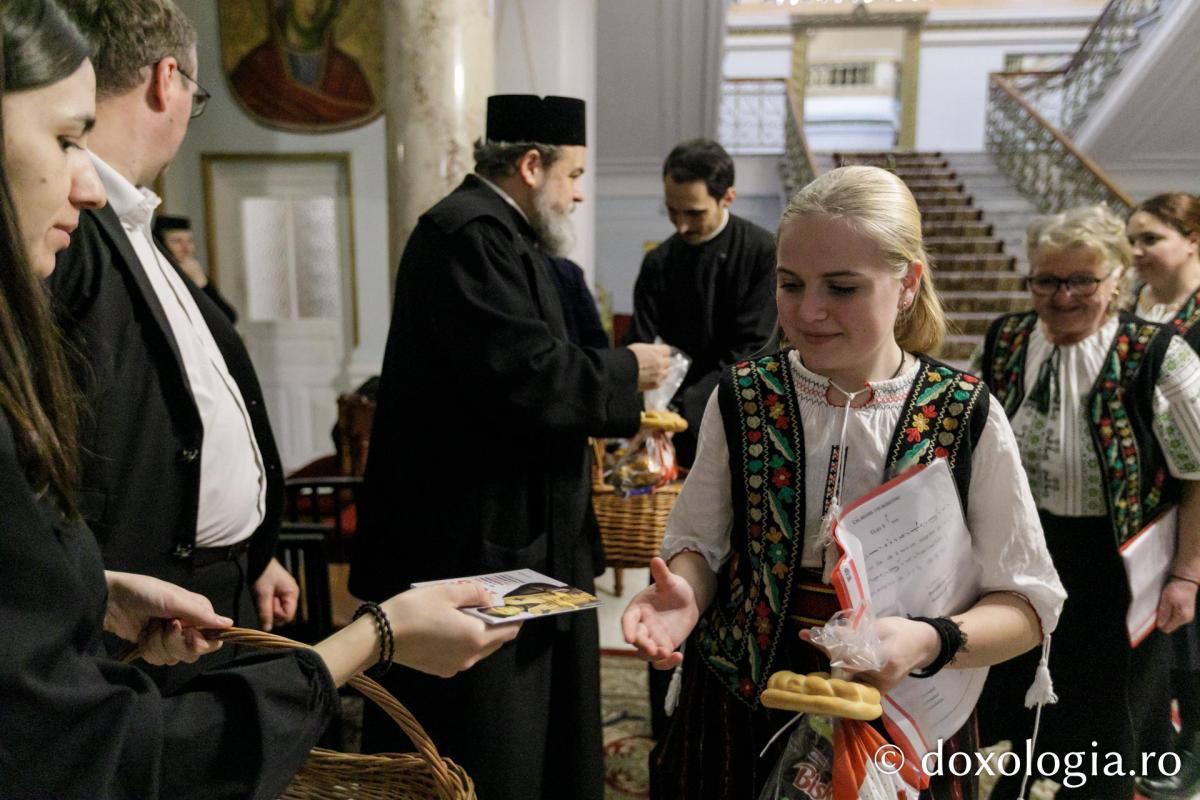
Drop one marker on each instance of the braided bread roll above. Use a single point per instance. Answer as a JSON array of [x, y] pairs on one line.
[[664, 421], [817, 693]]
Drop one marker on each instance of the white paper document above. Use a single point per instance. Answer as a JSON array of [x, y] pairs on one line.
[[1147, 556], [907, 551]]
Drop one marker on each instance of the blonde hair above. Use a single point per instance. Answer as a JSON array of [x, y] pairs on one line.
[[1095, 228], [878, 205]]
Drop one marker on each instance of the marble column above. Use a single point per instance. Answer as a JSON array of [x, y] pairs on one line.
[[798, 81], [440, 68], [909, 82]]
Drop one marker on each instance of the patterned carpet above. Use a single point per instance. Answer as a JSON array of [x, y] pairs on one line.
[[626, 713]]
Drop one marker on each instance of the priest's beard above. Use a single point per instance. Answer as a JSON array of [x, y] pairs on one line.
[[554, 228]]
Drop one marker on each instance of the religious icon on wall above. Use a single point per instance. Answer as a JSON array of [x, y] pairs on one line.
[[304, 65]]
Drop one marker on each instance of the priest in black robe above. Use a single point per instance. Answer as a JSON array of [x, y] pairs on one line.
[[479, 460], [709, 290]]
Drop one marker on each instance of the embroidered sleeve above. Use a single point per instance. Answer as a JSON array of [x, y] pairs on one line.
[[1008, 542], [1177, 410], [702, 518]]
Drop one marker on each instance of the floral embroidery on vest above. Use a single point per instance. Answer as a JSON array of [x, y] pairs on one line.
[[940, 403], [1113, 432], [1007, 379], [1187, 316], [738, 636], [739, 640]]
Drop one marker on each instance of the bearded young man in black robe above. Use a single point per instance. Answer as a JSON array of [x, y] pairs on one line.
[[479, 460], [709, 290]]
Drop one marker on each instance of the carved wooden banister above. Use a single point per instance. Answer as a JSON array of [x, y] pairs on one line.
[[1032, 115], [799, 166], [1043, 162]]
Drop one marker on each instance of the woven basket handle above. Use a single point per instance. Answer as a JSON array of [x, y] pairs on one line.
[[368, 687]]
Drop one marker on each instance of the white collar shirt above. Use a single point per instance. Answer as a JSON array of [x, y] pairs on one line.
[[232, 499]]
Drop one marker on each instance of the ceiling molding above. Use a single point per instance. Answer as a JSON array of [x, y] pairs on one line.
[[874, 19], [929, 25]]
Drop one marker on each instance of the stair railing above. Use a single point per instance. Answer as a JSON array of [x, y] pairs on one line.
[[1031, 115], [1043, 163], [1065, 96], [798, 167]]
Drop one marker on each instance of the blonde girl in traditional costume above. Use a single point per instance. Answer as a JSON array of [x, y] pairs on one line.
[[843, 407]]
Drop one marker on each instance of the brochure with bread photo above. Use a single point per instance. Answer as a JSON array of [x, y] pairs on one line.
[[522, 595]]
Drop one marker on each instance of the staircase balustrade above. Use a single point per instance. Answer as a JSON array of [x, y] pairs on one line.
[[798, 167], [1032, 115], [1042, 162]]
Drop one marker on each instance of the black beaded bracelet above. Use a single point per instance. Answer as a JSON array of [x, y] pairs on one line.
[[1175, 577], [387, 644], [951, 640]]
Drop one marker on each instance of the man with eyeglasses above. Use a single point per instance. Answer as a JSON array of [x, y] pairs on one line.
[[180, 476]]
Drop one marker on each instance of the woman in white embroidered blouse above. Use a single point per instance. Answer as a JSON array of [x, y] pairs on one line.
[[856, 300], [1106, 413], [1164, 233]]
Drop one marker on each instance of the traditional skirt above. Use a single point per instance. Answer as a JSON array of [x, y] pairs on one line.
[[1106, 690], [711, 749]]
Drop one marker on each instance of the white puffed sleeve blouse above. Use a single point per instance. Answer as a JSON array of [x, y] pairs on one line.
[[1009, 546]]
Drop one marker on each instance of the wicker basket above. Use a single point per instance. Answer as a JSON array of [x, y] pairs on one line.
[[329, 775], [632, 527]]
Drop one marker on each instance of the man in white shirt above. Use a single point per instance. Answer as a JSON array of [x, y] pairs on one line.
[[180, 476]]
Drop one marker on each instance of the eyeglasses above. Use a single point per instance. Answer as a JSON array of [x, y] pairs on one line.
[[1077, 285], [200, 98]]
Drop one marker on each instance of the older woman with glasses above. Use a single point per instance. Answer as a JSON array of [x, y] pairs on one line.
[[1106, 411]]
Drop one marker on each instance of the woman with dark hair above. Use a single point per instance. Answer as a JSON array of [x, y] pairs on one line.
[[76, 724], [1164, 233]]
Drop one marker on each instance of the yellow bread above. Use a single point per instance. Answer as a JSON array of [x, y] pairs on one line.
[[664, 421], [817, 693]]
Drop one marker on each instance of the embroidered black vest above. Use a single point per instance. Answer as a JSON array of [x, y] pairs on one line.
[[1185, 320], [739, 634], [1119, 407]]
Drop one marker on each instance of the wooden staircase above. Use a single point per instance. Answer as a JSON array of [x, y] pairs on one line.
[[975, 276]]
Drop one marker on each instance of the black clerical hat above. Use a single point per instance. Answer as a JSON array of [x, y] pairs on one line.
[[542, 120], [165, 222]]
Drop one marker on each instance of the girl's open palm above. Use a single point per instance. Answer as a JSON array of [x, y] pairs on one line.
[[659, 618]]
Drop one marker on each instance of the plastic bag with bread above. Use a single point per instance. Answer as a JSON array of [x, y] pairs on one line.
[[649, 460], [832, 752]]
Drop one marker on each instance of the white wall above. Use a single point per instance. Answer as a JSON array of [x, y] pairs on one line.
[[549, 47], [953, 84], [223, 128], [658, 70]]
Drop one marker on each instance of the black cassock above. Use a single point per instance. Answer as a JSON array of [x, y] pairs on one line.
[[714, 301], [479, 463], [74, 724]]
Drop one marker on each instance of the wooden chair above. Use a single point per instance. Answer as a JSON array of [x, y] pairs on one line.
[[320, 516], [356, 414], [330, 501], [303, 551]]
